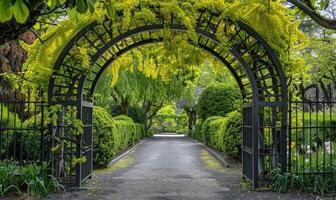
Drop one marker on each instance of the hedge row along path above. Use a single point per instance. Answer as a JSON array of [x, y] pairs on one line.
[[167, 168]]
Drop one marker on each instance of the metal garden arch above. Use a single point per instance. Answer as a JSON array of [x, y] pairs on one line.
[[250, 59]]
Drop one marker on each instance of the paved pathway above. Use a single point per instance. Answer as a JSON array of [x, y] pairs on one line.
[[169, 168]]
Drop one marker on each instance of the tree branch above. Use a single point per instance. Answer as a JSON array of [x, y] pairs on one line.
[[319, 19]]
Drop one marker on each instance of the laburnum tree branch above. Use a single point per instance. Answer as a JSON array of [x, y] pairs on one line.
[[306, 7], [11, 30]]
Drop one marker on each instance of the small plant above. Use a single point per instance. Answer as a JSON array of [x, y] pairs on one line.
[[8, 173], [317, 183], [31, 179]]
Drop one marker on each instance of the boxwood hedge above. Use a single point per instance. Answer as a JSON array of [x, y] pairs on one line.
[[222, 133], [112, 135]]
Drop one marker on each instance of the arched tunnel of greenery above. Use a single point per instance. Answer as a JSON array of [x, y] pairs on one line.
[[246, 78]]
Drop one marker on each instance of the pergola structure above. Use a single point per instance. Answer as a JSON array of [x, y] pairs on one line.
[[252, 62]]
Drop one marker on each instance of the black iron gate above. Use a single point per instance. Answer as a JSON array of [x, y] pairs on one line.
[[249, 147], [85, 148]]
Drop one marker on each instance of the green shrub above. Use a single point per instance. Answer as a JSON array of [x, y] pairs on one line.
[[112, 135], [32, 179], [104, 141], [197, 132], [222, 133], [232, 134], [209, 131], [218, 100], [182, 131], [325, 132], [27, 140]]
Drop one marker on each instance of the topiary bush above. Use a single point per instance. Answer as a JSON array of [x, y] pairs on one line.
[[218, 100], [112, 135]]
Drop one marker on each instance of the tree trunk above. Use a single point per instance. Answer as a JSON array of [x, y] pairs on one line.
[[191, 120], [124, 106]]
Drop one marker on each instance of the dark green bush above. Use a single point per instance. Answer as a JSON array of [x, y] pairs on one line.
[[137, 113], [218, 100], [112, 135]]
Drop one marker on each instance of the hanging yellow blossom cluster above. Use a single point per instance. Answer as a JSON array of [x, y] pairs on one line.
[[269, 18]]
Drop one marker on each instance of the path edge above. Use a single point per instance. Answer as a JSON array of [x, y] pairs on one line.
[[215, 154], [126, 152]]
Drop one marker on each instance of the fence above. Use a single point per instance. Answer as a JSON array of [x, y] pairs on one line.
[[29, 126], [23, 127], [311, 137]]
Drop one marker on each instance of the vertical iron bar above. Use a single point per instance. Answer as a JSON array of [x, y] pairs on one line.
[[42, 145], [22, 104], [317, 127], [1, 125], [303, 128], [14, 125], [290, 134]]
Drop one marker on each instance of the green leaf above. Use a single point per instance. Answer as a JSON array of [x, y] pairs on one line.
[[324, 4], [20, 11], [110, 9], [55, 148], [6, 12], [82, 6], [91, 4]]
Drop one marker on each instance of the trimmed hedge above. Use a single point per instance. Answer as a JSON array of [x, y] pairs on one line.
[[112, 135], [232, 134], [218, 100], [222, 133]]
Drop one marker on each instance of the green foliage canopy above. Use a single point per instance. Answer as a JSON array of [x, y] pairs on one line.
[[269, 18]]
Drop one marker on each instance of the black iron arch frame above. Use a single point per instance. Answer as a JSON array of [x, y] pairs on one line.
[[250, 59]]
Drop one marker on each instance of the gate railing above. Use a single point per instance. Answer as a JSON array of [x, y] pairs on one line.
[[311, 140], [23, 128], [32, 131]]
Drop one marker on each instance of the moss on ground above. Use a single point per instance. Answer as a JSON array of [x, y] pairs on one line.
[[120, 164], [213, 164]]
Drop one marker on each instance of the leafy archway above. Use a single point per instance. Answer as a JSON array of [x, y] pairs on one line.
[[214, 27]]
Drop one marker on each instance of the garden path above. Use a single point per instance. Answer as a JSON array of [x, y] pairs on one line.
[[169, 168]]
